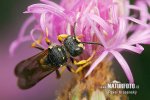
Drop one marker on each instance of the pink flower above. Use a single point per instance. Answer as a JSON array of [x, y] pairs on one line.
[[119, 41], [105, 21]]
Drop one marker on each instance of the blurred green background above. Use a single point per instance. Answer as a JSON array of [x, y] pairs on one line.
[[11, 17]]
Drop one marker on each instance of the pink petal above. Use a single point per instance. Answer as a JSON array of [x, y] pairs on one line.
[[101, 38], [21, 38], [138, 21], [114, 14], [142, 37], [124, 65], [144, 14], [134, 7], [43, 8], [43, 21], [142, 7], [102, 23], [17, 42], [121, 34], [137, 49], [25, 25], [52, 4], [88, 7], [148, 2], [122, 27], [34, 39], [76, 4], [94, 65]]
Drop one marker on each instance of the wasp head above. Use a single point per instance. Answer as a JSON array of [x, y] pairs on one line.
[[73, 46]]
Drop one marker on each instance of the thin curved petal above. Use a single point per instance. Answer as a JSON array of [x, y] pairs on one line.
[[100, 37], [43, 8], [138, 21], [124, 65], [36, 40], [25, 25], [114, 14], [141, 37], [17, 42], [52, 4], [43, 21], [102, 23], [121, 34], [94, 65], [137, 49], [21, 38]]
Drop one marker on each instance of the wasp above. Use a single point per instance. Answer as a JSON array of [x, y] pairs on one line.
[[31, 70]]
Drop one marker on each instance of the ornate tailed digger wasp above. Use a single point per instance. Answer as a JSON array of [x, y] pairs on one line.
[[30, 71]]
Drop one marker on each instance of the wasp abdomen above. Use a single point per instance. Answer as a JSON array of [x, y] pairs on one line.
[[56, 56]]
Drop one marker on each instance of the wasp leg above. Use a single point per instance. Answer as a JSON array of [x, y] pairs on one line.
[[80, 68], [72, 59], [58, 75], [37, 42], [48, 41], [82, 62], [62, 37], [63, 68], [70, 67]]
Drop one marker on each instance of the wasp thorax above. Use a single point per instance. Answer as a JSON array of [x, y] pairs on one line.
[[57, 56], [73, 46]]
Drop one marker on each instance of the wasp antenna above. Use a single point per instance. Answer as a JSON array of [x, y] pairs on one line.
[[96, 43], [74, 30]]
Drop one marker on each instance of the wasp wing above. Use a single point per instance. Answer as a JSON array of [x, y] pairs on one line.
[[30, 71]]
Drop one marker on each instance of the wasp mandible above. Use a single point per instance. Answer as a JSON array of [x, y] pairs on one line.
[[30, 71]]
